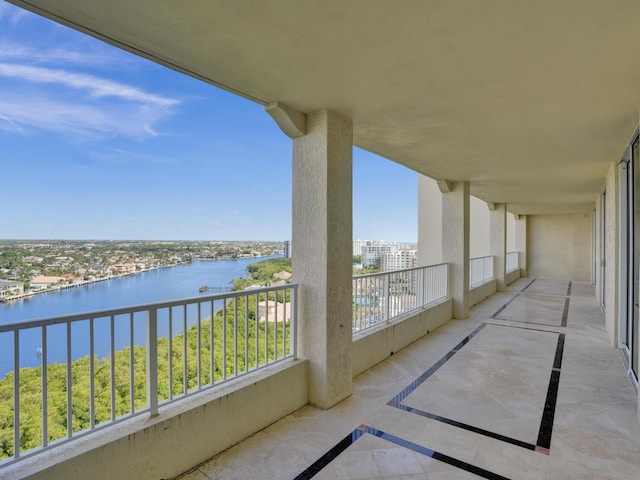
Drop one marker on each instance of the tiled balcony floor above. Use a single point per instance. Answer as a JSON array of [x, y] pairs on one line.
[[530, 390]]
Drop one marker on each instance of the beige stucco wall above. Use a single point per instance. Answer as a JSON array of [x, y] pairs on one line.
[[184, 434], [478, 228], [375, 345], [559, 246], [612, 263]]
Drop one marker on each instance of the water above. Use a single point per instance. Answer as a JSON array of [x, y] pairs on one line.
[[159, 285]]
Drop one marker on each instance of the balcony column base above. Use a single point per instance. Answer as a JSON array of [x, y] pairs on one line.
[[322, 253], [498, 243], [455, 244]]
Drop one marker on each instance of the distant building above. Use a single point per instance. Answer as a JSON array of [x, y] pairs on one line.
[[272, 312], [398, 260], [44, 281], [357, 246], [287, 249], [9, 288], [372, 253]]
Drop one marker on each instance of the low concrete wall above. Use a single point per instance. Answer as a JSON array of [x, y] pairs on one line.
[[482, 291], [373, 346], [183, 435], [512, 276]]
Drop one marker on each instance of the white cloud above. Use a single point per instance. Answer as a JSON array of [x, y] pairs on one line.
[[68, 55], [96, 86], [77, 104], [78, 118]]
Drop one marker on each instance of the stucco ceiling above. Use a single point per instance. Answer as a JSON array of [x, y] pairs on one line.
[[528, 101]]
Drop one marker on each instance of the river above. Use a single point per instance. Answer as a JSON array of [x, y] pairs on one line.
[[163, 284]]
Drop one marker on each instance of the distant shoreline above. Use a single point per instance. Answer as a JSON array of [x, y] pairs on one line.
[[67, 286]]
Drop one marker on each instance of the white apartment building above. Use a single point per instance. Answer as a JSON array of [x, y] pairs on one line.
[[371, 254], [398, 260]]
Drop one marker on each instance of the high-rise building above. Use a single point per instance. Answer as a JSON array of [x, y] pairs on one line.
[[398, 260], [287, 249]]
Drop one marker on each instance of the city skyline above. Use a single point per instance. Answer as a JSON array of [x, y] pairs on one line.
[[101, 144]]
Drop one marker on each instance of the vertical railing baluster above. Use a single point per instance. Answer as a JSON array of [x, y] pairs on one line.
[[275, 329], [246, 333], [235, 335], [69, 384], [45, 413], [293, 323], [152, 361], [257, 329], [112, 352], [266, 329], [92, 387], [132, 365], [224, 339], [170, 353], [211, 344], [185, 371], [16, 393], [198, 351]]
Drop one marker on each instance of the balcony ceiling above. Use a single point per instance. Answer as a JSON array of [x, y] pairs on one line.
[[528, 101]]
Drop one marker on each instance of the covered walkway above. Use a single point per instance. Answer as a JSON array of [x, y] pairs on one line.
[[528, 387]]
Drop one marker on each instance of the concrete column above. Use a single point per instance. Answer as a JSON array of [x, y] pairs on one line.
[[498, 243], [455, 244], [429, 222], [322, 248], [521, 243]]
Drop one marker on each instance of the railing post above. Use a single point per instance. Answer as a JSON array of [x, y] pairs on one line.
[[387, 297], [152, 361], [419, 286], [293, 334]]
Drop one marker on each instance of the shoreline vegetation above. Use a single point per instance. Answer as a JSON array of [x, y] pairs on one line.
[[257, 343]]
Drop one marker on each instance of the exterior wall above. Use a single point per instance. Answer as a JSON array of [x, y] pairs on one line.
[[511, 277], [612, 254], [429, 222], [482, 291], [185, 433], [559, 246], [478, 228], [373, 346], [511, 233]]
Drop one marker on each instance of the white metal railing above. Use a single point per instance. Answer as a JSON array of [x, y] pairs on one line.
[[512, 261], [380, 297], [99, 367], [480, 270]]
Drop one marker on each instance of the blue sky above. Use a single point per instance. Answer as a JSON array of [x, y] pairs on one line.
[[98, 143]]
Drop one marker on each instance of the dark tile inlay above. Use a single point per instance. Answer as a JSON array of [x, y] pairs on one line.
[[328, 457], [395, 401], [362, 429], [499, 311], [546, 423], [528, 285], [471, 428]]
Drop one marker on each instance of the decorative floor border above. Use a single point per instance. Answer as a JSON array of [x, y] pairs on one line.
[[565, 312], [545, 430], [362, 430]]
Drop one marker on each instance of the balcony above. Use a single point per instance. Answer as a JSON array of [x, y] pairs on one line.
[[522, 389], [524, 108]]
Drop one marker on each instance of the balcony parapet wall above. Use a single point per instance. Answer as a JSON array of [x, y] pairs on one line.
[[183, 435]]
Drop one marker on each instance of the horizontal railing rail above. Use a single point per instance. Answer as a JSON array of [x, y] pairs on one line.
[[380, 297], [93, 369], [512, 261], [480, 270]]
